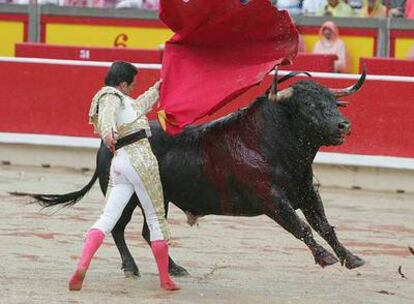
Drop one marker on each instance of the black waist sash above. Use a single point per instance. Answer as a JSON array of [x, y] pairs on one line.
[[130, 139]]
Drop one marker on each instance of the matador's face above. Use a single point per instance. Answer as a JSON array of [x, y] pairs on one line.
[[126, 88]]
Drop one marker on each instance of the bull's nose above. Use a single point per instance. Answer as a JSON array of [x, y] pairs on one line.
[[344, 125]]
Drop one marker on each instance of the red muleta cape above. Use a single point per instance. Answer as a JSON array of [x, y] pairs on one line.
[[220, 49]]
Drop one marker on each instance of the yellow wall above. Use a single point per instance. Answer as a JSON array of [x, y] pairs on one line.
[[11, 32], [356, 46], [402, 47], [106, 36]]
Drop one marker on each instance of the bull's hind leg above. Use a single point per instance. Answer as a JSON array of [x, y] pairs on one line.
[[173, 268], [281, 211], [129, 266], [315, 214]]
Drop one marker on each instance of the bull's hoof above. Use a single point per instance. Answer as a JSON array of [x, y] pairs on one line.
[[325, 258], [352, 261], [177, 271]]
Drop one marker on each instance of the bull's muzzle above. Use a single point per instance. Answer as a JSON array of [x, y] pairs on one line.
[[340, 130], [344, 126]]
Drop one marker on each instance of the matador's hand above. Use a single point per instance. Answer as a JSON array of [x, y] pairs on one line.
[[110, 140], [157, 85]]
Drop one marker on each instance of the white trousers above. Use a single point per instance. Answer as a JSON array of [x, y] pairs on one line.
[[125, 181]]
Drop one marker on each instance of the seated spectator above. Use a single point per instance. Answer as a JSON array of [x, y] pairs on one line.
[[151, 4], [313, 7], [409, 9], [373, 9], [140, 4], [338, 8], [78, 3], [330, 43], [294, 7], [40, 2], [396, 8], [355, 4], [129, 4]]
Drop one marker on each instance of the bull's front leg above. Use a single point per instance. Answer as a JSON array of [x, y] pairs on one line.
[[280, 210], [315, 215]]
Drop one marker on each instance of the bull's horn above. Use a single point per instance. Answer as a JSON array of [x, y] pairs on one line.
[[276, 96], [342, 103], [273, 89], [282, 95], [352, 89]]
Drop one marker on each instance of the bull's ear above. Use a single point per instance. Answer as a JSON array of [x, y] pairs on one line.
[[280, 96]]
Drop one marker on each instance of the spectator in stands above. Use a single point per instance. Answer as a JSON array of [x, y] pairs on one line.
[[314, 7], [294, 7], [396, 8], [40, 2], [338, 8], [78, 3], [129, 4], [409, 9], [140, 4], [373, 9], [89, 3], [151, 4], [356, 5], [330, 43]]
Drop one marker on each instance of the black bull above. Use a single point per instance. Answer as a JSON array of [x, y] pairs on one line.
[[255, 161]]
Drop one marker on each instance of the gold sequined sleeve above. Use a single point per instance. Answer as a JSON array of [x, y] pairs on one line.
[[144, 103], [108, 109]]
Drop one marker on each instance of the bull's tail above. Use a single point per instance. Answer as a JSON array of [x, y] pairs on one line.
[[68, 199]]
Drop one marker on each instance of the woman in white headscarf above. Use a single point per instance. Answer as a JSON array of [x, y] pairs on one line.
[[330, 43]]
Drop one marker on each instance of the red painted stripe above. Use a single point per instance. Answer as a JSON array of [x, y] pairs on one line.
[[43, 32], [402, 34], [13, 17]]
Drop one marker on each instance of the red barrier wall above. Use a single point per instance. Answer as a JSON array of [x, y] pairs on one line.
[[41, 50], [55, 99], [312, 62], [303, 62], [388, 66]]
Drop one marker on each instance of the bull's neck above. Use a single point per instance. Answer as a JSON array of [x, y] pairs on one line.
[[283, 137]]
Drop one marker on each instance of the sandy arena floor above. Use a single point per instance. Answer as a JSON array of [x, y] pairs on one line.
[[231, 260]]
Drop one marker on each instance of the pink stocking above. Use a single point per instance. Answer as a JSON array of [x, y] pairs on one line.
[[93, 241], [160, 251]]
